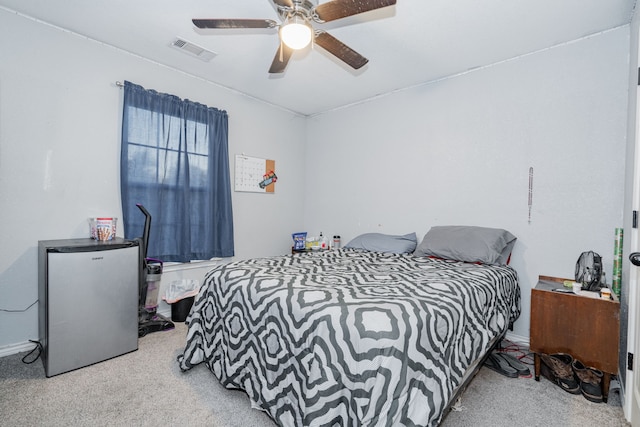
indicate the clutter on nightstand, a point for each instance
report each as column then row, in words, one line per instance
column 299, row 240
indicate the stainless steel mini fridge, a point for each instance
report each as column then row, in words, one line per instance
column 88, row 301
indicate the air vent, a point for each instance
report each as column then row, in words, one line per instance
column 193, row 49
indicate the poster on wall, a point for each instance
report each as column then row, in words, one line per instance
column 255, row 175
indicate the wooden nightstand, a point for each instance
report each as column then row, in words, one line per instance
column 586, row 328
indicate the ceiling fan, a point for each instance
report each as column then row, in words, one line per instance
column 296, row 31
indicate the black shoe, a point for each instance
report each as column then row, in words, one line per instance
column 557, row 368
column 515, row 363
column 500, row 365
column 590, row 381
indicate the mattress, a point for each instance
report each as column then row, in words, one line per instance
column 349, row 337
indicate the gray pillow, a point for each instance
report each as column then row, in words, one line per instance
column 468, row 244
column 377, row 242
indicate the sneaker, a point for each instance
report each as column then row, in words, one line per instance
column 557, row 368
column 590, row 381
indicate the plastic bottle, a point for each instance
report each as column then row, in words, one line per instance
column 336, row 242
column 322, row 241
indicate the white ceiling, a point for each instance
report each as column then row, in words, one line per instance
column 411, row 43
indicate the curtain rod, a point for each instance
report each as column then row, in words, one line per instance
column 119, row 84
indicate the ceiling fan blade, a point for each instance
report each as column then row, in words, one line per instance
column 234, row 23
column 281, row 59
column 340, row 50
column 284, row 3
column 337, row 9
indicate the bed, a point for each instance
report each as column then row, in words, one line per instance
column 353, row 336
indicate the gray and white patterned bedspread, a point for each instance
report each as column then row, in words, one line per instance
column 348, row 337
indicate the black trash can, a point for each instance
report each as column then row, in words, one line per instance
column 181, row 308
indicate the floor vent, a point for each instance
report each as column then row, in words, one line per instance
column 193, row 49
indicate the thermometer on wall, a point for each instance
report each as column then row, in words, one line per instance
column 530, row 191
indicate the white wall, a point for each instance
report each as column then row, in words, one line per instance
column 629, row 291
column 60, row 113
column 458, row 151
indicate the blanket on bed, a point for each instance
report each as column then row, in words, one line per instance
column 349, row 337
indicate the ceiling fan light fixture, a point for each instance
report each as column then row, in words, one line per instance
column 296, row 30
column 296, row 33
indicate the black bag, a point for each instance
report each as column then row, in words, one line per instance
column 589, row 271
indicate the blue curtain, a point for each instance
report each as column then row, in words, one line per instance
column 175, row 162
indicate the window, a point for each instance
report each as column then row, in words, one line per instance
column 175, row 162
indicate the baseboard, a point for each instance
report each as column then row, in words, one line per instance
column 517, row 339
column 165, row 312
column 8, row 350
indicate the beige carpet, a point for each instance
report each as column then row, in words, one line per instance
column 146, row 388
column 495, row 400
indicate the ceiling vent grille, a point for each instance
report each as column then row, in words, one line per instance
column 193, row 49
